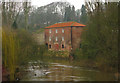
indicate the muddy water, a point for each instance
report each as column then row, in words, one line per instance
column 63, row 70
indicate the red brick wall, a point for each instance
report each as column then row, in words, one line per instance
column 76, row 36
column 76, row 32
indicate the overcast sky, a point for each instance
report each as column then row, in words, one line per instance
column 76, row 3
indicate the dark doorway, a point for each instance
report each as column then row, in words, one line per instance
column 62, row 46
column 49, row 46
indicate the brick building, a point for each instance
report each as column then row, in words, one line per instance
column 63, row 36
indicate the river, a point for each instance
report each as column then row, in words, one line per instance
column 63, row 70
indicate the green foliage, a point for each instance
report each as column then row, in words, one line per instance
column 26, row 43
column 78, row 54
column 100, row 36
column 41, row 30
column 70, row 14
column 83, row 17
column 64, row 54
column 67, row 16
column 9, row 51
column 14, row 25
column 18, row 47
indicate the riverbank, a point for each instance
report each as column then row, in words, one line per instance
column 84, row 63
column 35, row 65
column 89, row 63
column 97, row 63
column 48, row 68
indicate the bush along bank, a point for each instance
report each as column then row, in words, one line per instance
column 60, row 54
column 18, row 48
column 103, row 63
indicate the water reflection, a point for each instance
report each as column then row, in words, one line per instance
column 57, row 70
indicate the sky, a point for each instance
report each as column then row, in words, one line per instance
column 76, row 3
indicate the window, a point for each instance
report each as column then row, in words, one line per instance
column 62, row 38
column 56, row 39
column 56, row 31
column 62, row 46
column 50, row 46
column 62, row 30
column 50, row 31
column 49, row 38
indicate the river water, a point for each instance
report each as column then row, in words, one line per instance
column 63, row 70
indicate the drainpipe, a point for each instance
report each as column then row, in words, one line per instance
column 71, row 34
column 71, row 38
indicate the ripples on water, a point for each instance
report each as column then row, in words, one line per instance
column 52, row 71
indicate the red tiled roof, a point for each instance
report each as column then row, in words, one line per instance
column 65, row 24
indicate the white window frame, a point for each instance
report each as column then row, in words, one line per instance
column 62, row 30
column 50, row 31
column 56, row 31
column 56, row 39
column 62, row 38
column 49, row 38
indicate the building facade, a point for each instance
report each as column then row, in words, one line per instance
column 63, row 36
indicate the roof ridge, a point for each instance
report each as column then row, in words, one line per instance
column 64, row 24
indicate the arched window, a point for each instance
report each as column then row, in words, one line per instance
column 50, row 46
column 63, row 46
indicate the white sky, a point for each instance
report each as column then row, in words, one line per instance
column 76, row 3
